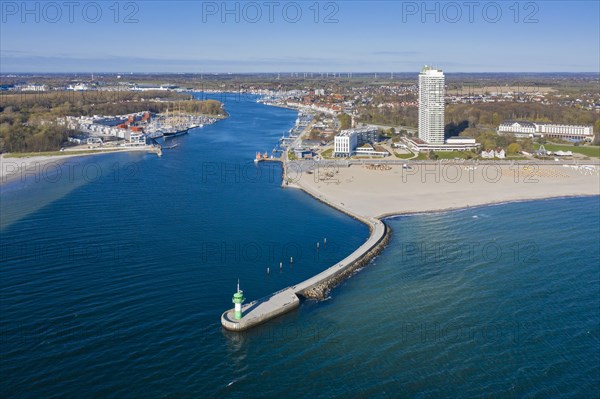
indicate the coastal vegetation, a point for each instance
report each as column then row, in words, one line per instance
column 513, row 148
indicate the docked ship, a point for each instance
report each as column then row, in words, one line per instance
column 175, row 125
column 174, row 133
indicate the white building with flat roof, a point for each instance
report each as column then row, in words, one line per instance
column 551, row 130
column 456, row 144
column 371, row 151
column 460, row 140
column 566, row 132
column 431, row 105
column 34, row 87
column 345, row 143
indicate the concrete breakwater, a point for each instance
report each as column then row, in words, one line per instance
column 317, row 287
column 261, row 310
column 320, row 288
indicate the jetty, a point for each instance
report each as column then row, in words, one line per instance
column 317, row 287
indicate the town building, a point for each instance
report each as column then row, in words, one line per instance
column 497, row 153
column 33, row 87
column 345, row 143
column 452, row 144
column 532, row 129
column 301, row 153
column 370, row 150
column 366, row 134
column 431, row 105
column 78, row 87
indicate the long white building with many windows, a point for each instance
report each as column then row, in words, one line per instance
column 532, row 129
column 431, row 105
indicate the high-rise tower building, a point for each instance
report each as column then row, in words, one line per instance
column 431, row 105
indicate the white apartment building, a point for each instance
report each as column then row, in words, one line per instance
column 431, row 105
column 345, row 143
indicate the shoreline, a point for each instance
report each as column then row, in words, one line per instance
column 317, row 287
column 366, row 257
column 395, row 191
column 34, row 162
column 371, row 196
column 394, row 215
column 398, row 214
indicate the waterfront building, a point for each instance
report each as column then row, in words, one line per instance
column 452, row 144
column 368, row 149
column 301, row 153
column 345, row 143
column 497, row 153
column 366, row 134
column 517, row 128
column 460, row 140
column 532, row 129
column 431, row 105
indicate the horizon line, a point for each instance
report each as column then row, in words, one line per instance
column 286, row 72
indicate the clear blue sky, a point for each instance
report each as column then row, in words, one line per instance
column 361, row 36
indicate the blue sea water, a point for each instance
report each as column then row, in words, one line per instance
column 115, row 270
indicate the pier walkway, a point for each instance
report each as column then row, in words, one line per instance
column 261, row 310
column 264, row 309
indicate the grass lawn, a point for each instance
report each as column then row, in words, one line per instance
column 404, row 156
column 454, row 154
column 587, row 150
column 327, row 153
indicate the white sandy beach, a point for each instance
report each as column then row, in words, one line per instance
column 425, row 188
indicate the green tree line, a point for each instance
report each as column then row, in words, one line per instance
column 484, row 115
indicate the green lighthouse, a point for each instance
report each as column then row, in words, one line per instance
column 238, row 299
